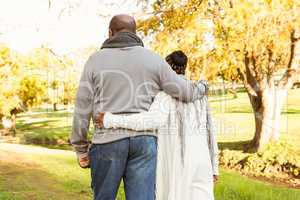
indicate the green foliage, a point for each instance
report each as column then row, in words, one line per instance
column 238, row 28
column 277, row 161
column 31, row 91
column 9, row 71
column 25, row 78
column 46, row 59
column 54, row 84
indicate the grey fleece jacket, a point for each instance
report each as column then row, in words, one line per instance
column 123, row 80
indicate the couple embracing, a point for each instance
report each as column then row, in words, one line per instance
column 153, row 127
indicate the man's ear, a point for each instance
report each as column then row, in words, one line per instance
column 110, row 33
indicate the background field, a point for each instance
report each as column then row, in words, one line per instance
column 31, row 172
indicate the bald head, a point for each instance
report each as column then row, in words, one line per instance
column 121, row 23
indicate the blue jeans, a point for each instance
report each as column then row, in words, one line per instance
column 133, row 160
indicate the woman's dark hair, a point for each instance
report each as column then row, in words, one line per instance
column 178, row 61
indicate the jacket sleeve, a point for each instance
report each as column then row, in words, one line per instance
column 153, row 119
column 83, row 111
column 178, row 87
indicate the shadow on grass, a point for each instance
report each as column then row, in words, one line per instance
column 29, row 182
column 291, row 111
column 21, row 125
column 46, row 135
column 56, row 146
column 220, row 98
column 49, row 109
column 57, row 114
column 248, row 110
column 239, row 110
column 237, row 145
column 49, row 130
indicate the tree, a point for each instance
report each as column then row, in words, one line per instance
column 70, row 88
column 55, row 86
column 22, row 78
column 9, row 101
column 46, row 64
column 231, row 74
column 263, row 38
column 256, row 39
column 31, row 91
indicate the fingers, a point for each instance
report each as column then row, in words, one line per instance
column 84, row 165
column 216, row 178
column 84, row 162
column 99, row 120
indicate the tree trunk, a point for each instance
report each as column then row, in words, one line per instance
column 233, row 88
column 267, row 112
column 13, row 114
column 266, row 97
column 55, row 106
column 13, row 128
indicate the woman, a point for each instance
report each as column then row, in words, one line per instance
column 187, row 150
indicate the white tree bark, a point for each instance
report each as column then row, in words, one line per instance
column 267, row 111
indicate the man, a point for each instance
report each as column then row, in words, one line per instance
column 123, row 77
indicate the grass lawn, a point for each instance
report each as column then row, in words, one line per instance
column 235, row 121
column 234, row 118
column 45, row 128
column 30, row 172
column 236, row 187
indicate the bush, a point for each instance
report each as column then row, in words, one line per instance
column 276, row 162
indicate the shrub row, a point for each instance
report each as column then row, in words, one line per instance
column 277, row 162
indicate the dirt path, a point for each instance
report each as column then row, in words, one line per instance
column 23, row 178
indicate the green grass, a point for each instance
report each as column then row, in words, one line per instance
column 51, row 128
column 48, row 129
column 54, row 174
column 235, row 187
column 42, row 173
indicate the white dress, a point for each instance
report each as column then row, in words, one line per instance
column 187, row 149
